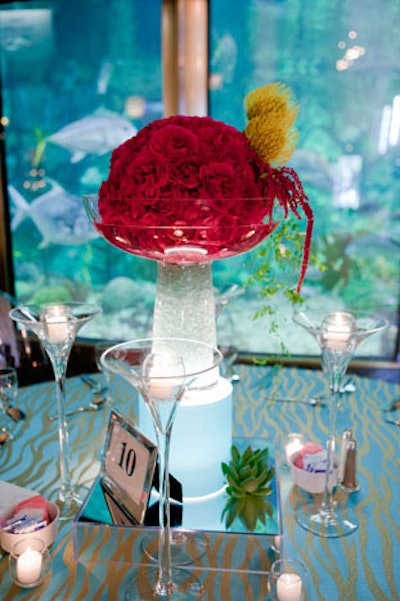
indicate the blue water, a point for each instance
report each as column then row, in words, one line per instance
column 78, row 64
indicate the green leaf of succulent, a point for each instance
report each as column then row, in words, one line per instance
column 230, row 472
column 235, row 453
column 249, row 478
column 232, row 510
column 247, row 455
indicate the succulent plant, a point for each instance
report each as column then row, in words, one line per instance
column 248, row 477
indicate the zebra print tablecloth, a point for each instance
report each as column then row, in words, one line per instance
column 362, row 567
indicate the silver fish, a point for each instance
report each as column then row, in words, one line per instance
column 95, row 134
column 224, row 59
column 104, row 77
column 59, row 216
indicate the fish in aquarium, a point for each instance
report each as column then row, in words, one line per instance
column 104, row 77
column 95, row 134
column 224, row 60
column 58, row 215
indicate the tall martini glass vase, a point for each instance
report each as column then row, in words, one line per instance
column 338, row 335
column 162, row 370
column 56, row 326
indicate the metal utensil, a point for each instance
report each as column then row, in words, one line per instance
column 15, row 413
column 94, row 405
column 313, row 401
column 95, row 386
column 317, row 401
column 391, row 415
column 393, row 407
column 394, row 422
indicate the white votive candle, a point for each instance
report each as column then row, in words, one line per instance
column 289, row 587
column 339, row 327
column 295, row 442
column 157, row 370
column 161, row 389
column 56, row 324
column 29, row 566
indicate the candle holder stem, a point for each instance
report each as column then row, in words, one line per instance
column 68, row 498
column 164, row 585
column 66, row 491
column 336, row 369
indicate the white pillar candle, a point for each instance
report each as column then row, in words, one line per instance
column 29, row 566
column 56, row 324
column 289, row 587
column 338, row 331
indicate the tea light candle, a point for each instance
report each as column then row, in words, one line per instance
column 337, row 330
column 289, row 587
column 56, row 321
column 157, row 370
column 295, row 442
column 29, row 566
column 161, row 388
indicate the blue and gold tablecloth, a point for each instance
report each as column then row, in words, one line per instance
column 363, row 567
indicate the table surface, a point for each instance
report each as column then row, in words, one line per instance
column 363, row 566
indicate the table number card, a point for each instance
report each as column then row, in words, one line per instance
column 127, row 471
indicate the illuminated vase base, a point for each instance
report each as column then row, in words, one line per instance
column 201, row 439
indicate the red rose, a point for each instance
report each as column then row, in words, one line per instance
column 173, row 142
column 193, row 182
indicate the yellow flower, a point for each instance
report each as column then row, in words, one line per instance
column 271, row 113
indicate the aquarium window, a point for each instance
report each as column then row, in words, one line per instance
column 341, row 61
column 73, row 89
column 78, row 78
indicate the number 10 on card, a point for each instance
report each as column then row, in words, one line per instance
column 128, row 466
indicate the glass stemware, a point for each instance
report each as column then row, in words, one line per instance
column 56, row 326
column 163, row 370
column 338, row 335
column 106, row 380
column 8, row 395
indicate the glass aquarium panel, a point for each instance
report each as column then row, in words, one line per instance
column 80, row 77
column 341, row 61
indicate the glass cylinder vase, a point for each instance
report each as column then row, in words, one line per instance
column 185, row 307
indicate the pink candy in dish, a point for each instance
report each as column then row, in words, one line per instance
column 308, row 468
column 47, row 533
